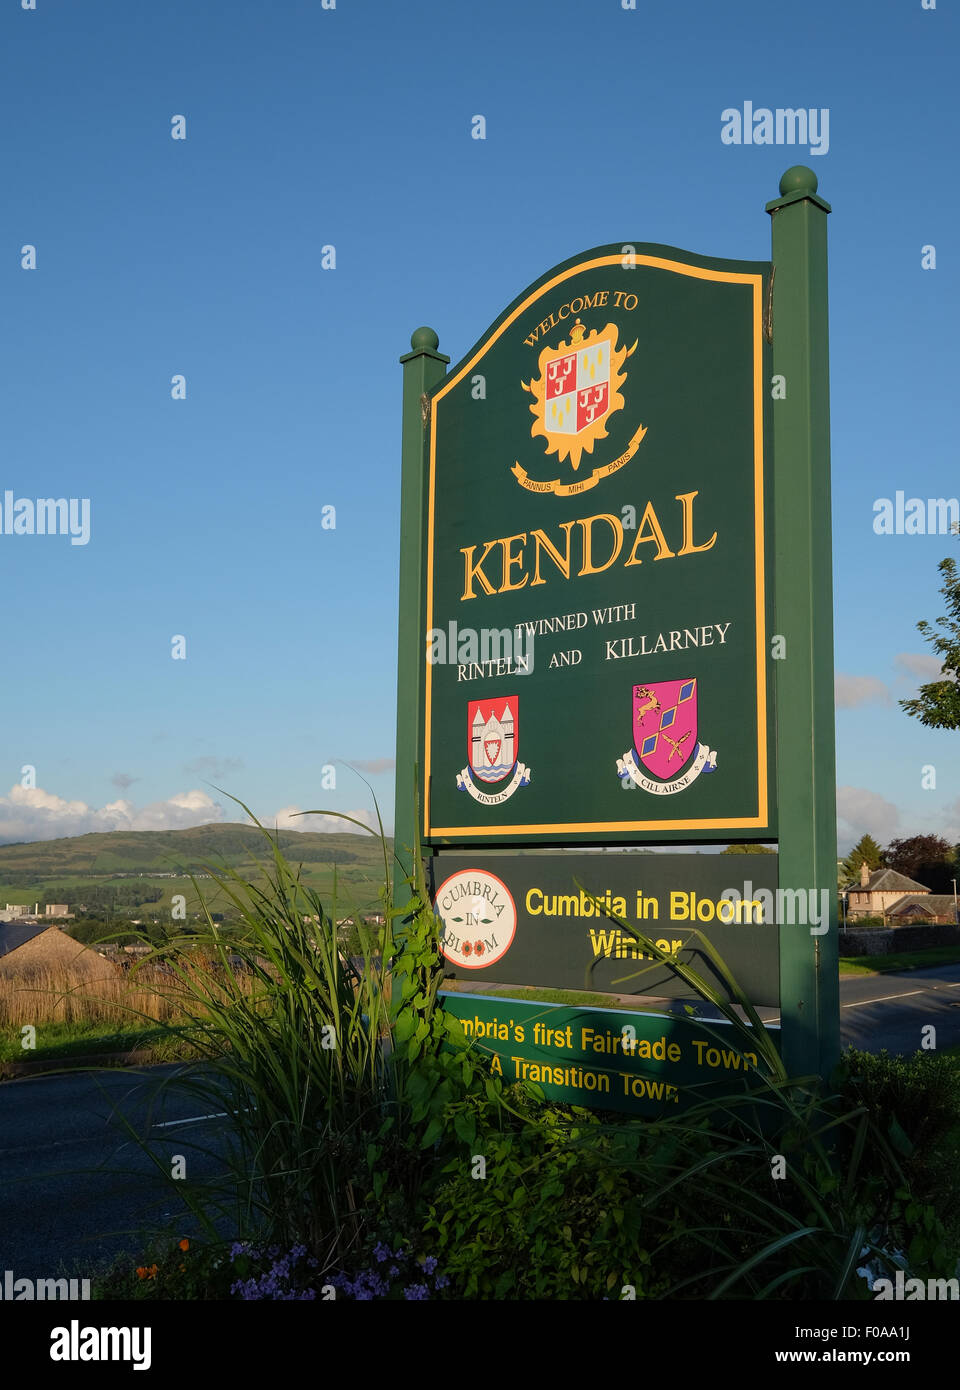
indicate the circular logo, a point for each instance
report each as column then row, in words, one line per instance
column 479, row 918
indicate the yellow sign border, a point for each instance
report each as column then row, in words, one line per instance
column 573, row 828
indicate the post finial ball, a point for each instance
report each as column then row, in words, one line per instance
column 424, row 339
column 799, row 179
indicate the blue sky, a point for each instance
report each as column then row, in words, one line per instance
column 352, row 127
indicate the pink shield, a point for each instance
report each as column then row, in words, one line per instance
column 665, row 725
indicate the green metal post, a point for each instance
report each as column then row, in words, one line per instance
column 423, row 367
column 803, row 597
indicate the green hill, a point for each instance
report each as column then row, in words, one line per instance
column 68, row 869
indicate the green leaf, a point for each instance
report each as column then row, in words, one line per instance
column 433, row 1132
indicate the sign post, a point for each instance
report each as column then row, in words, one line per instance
column 423, row 367
column 806, row 753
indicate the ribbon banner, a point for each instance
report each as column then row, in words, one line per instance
column 706, row 758
column 520, row 778
column 571, row 489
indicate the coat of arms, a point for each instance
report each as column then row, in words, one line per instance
column 492, row 744
column 577, row 391
column 665, row 738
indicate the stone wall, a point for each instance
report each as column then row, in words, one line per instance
column 883, row 941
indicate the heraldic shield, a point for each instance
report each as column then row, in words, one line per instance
column 665, row 725
column 492, row 737
column 577, row 390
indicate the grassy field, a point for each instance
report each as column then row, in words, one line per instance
column 67, row 1040
column 902, row 960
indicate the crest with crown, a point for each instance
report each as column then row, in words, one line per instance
column 577, row 391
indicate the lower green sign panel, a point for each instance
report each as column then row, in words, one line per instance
column 531, row 919
column 605, row 1059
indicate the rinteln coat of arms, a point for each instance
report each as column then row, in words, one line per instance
column 492, row 746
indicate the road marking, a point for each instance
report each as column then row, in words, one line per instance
column 191, row 1119
column 883, row 997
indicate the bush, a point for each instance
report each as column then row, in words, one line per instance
column 555, row 1216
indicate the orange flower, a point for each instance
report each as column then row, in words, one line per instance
column 141, row 1271
column 184, row 1245
column 152, row 1272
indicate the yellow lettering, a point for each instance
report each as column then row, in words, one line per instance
column 475, row 570
column 655, row 534
column 588, row 567
column 510, row 560
column 688, row 548
column 541, row 541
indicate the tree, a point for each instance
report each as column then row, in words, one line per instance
column 865, row 851
column 748, row 849
column 937, row 704
column 927, row 858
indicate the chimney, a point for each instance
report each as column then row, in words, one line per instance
column 864, row 874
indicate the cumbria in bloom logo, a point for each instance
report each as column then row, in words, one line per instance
column 479, row 918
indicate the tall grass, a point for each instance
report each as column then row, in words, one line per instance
column 56, row 994
column 289, row 1035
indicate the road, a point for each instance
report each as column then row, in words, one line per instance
column 878, row 1011
column 75, row 1187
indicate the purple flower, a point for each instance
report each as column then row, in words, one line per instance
column 429, row 1264
column 416, row 1292
column 441, row 1281
column 394, row 1271
column 381, row 1252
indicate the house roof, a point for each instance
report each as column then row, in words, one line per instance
column 14, row 934
column 889, row 881
column 934, row 904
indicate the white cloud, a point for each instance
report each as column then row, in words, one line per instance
column 921, row 665
column 862, row 812
column 287, row 818
column 371, row 765
column 851, row 691
column 30, row 813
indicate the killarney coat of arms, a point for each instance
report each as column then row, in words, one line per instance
column 665, row 739
column 577, row 391
column 492, row 746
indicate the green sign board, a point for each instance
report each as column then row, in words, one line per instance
column 616, row 621
column 597, row 597
column 605, row 1059
column 541, row 919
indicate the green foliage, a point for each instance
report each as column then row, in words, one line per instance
column 929, row 859
column 937, row 704
column 915, row 1102
column 180, row 1270
column 375, row 1139
column 556, row 1215
column 867, row 851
